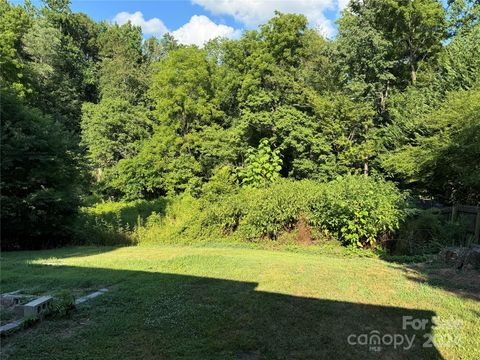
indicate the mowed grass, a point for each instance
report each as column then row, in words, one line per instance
column 240, row 303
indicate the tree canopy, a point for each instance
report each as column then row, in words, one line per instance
column 94, row 108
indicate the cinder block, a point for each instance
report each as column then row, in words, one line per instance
column 37, row 307
column 11, row 327
column 11, row 299
column 90, row 296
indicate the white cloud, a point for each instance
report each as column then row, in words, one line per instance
column 197, row 31
column 342, row 4
column 154, row 26
column 200, row 29
column 255, row 12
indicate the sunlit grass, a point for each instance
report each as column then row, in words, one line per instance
column 162, row 294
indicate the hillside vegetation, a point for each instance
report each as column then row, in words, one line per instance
column 280, row 130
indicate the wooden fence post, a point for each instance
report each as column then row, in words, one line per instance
column 454, row 213
column 477, row 226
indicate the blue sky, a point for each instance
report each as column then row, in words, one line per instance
column 196, row 21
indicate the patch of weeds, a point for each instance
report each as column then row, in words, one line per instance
column 6, row 315
column 407, row 259
column 29, row 321
column 360, row 252
column 63, row 303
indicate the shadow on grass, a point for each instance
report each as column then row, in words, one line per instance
column 64, row 252
column 464, row 283
column 429, row 269
column 160, row 315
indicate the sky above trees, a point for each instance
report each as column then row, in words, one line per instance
column 197, row 21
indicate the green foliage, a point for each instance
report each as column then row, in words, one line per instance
column 357, row 210
column 58, row 72
column 460, row 60
column 14, row 22
column 143, row 222
column 113, row 223
column 366, row 58
column 214, row 146
column 181, row 91
column 442, row 155
column 112, row 130
column 462, row 15
column 63, row 303
column 162, row 166
column 427, row 231
column 258, row 212
column 284, row 37
column 179, row 224
column 222, row 182
column 394, row 94
column 349, row 137
column 122, row 71
column 39, row 182
column 262, row 165
column 319, row 68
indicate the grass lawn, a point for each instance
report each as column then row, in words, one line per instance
column 241, row 303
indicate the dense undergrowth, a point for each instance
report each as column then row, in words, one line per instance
column 355, row 210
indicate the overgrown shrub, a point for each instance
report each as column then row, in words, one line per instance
column 178, row 224
column 113, row 223
column 260, row 212
column 223, row 181
column 357, row 210
column 427, row 231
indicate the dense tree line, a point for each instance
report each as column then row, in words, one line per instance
column 93, row 108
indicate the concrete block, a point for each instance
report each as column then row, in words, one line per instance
column 37, row 307
column 11, row 327
column 90, row 296
column 11, row 299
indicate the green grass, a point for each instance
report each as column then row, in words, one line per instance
column 237, row 303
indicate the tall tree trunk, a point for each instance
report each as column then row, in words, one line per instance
column 413, row 73
column 383, row 98
column 365, row 167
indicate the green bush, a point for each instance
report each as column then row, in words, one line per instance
column 427, row 231
column 262, row 165
column 112, row 223
column 178, row 224
column 357, row 210
column 222, row 182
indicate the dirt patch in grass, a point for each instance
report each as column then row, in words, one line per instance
column 465, row 283
column 73, row 327
column 304, row 235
